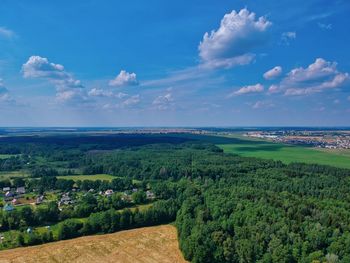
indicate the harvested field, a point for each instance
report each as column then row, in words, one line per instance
column 146, row 245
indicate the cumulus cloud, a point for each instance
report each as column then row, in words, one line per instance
column 124, row 79
column 232, row 43
column 274, row 89
column 68, row 88
column 273, row 73
column 262, row 105
column 131, row 101
column 6, row 33
column 97, row 92
column 317, row 77
column 257, row 88
column 163, row 102
column 39, row 67
column 286, row 37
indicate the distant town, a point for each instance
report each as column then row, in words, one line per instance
column 338, row 139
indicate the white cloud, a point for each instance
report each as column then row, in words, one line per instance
column 6, row 33
column 131, row 101
column 231, row 44
column 317, row 77
column 68, row 89
column 325, row 26
column 4, row 94
column 97, row 92
column 75, row 96
column 273, row 73
column 274, row 89
column 124, row 79
column 257, row 88
column 262, row 104
column 163, row 102
column 286, row 37
column 39, row 67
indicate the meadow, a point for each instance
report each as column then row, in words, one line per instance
column 83, row 177
column 251, row 147
column 5, row 156
column 288, row 153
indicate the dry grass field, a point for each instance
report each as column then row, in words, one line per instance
column 147, row 245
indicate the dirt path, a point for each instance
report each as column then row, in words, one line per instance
column 147, row 245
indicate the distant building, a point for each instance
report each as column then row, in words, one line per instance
column 150, row 195
column 65, row 200
column 126, row 197
column 109, row 192
column 14, row 201
column 39, row 200
column 6, row 189
column 21, row 190
column 9, row 194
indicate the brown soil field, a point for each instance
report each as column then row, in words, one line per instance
column 147, row 245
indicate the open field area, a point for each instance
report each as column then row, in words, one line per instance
column 251, row 147
column 12, row 174
column 83, row 177
column 5, row 156
column 150, row 244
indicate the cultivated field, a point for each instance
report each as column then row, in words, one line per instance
column 288, row 153
column 149, row 244
column 251, row 147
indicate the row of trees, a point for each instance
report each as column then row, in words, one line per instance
column 104, row 222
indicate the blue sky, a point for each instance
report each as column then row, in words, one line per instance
column 174, row 63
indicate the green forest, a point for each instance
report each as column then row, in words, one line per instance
column 227, row 208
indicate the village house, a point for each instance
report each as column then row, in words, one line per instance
column 6, row 189
column 126, row 197
column 65, row 200
column 109, row 192
column 8, row 196
column 39, row 200
column 150, row 195
column 21, row 190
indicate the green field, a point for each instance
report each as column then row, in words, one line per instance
column 12, row 174
column 251, row 147
column 6, row 156
column 93, row 177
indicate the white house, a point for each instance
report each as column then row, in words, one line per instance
column 21, row 190
column 109, row 192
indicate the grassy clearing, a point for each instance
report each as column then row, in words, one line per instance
column 12, row 174
column 6, row 156
column 93, row 177
column 149, row 244
column 251, row 147
column 287, row 153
